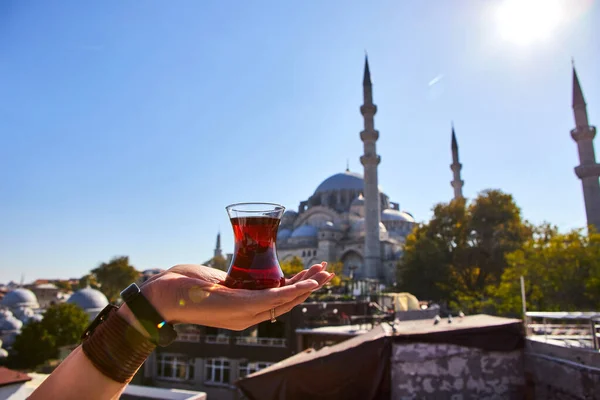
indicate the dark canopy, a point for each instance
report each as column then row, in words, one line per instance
column 359, row 368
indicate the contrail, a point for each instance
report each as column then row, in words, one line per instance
column 436, row 80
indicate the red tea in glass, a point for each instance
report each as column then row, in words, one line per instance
column 254, row 265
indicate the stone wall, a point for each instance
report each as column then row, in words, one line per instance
column 444, row 371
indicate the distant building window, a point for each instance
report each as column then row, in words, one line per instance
column 174, row 367
column 247, row 368
column 314, row 252
column 303, row 253
column 216, row 370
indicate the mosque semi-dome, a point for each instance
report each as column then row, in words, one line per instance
column 305, row 231
column 20, row 298
column 329, row 226
column 88, row 299
column 395, row 215
column 10, row 323
column 283, row 234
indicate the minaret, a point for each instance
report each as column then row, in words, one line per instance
column 218, row 252
column 456, row 166
column 370, row 160
column 588, row 170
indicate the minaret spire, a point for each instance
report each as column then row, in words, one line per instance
column 588, row 170
column 456, row 166
column 218, row 251
column 370, row 160
column 367, row 73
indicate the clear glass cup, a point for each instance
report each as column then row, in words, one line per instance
column 254, row 264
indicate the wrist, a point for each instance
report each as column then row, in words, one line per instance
column 125, row 313
column 143, row 312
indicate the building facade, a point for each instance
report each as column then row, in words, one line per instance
column 211, row 360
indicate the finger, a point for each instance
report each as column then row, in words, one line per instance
column 296, row 277
column 322, row 277
column 314, row 269
column 280, row 310
column 267, row 299
column 327, row 280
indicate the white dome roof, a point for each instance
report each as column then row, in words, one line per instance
column 35, row 318
column 20, row 298
column 88, row 299
column 395, row 215
column 329, row 226
column 23, row 313
column 10, row 324
column 305, row 231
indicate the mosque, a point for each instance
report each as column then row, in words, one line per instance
column 20, row 307
column 349, row 218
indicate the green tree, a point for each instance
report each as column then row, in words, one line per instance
column 337, row 268
column 62, row 325
column 65, row 322
column 292, row 267
column 63, row 285
column 460, row 252
column 87, row 280
column 115, row 276
column 561, row 272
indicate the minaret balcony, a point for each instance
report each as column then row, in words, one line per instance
column 588, row 171
column 369, row 135
column 583, row 133
column 456, row 167
column 370, row 160
column 368, row 109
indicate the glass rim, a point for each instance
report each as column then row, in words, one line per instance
column 264, row 207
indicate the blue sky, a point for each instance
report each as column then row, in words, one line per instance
column 126, row 127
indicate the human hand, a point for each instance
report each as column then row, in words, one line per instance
column 195, row 294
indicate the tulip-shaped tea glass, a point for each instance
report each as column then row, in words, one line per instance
column 254, row 265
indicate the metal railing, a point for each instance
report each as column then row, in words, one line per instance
column 573, row 329
column 188, row 337
column 258, row 341
column 216, row 339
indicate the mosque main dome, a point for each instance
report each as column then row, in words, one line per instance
column 346, row 180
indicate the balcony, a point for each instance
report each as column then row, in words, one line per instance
column 188, row 337
column 258, row 341
column 216, row 339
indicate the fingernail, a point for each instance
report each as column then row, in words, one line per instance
column 324, row 264
column 307, row 284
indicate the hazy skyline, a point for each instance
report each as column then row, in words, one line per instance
column 127, row 128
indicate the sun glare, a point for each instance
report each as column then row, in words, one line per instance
column 527, row 21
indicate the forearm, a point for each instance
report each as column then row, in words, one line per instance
column 77, row 377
